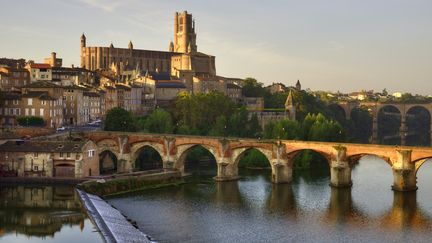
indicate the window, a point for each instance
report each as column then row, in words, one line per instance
column 61, row 155
column 35, row 168
column 91, row 153
column 43, row 102
column 33, row 112
column 16, row 102
column 41, row 111
column 35, row 154
column 26, row 111
column 68, row 155
column 29, row 101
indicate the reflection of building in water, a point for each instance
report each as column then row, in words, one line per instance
column 40, row 210
column 405, row 213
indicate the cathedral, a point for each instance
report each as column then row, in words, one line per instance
column 182, row 60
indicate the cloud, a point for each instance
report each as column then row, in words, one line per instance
column 106, row 5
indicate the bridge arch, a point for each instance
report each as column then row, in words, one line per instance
column 137, row 149
column 418, row 125
column 238, row 153
column 340, row 111
column 107, row 144
column 293, row 154
column 355, row 158
column 388, row 130
column 108, row 162
column 419, row 162
column 147, row 158
column 184, row 149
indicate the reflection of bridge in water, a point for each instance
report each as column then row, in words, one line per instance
column 342, row 210
column 39, row 210
column 404, row 161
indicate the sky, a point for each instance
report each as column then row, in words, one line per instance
column 333, row 45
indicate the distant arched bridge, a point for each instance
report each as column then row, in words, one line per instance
column 403, row 160
column 374, row 109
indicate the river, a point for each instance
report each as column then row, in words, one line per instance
column 307, row 210
column 43, row 213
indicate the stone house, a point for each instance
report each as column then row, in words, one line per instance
column 65, row 159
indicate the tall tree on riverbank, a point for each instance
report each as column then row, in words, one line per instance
column 119, row 119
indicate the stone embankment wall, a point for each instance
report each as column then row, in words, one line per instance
column 130, row 183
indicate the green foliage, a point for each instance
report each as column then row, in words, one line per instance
column 200, row 111
column 308, row 159
column 360, row 128
column 254, row 158
column 220, row 127
column 313, row 128
column 252, row 88
column 159, row 121
column 30, row 121
column 119, row 119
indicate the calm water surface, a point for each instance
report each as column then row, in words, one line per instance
column 36, row 213
column 254, row 210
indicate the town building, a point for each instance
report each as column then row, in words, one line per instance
column 167, row 91
column 65, row 159
column 13, row 78
column 39, row 72
column 53, row 61
column 73, row 100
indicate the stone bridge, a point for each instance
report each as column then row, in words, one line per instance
column 404, row 161
column 374, row 109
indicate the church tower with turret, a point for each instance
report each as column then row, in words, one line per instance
column 184, row 33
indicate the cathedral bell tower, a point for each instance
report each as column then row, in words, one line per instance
column 184, row 33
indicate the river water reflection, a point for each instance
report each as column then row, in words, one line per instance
column 37, row 213
column 255, row 210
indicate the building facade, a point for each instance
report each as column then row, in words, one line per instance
column 63, row 159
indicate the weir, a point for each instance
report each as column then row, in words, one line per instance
column 113, row 226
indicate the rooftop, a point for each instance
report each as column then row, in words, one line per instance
column 42, row 146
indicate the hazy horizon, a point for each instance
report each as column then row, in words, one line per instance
column 339, row 46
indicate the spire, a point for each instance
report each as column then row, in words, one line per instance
column 83, row 40
column 171, row 47
column 298, row 85
column 130, row 45
column 111, row 45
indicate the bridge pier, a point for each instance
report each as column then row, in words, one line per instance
column 226, row 171
column 124, row 163
column 404, row 172
column 374, row 129
column 403, row 129
column 340, row 170
column 281, row 173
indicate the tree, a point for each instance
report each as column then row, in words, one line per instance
column 253, row 127
column 252, row 88
column 119, row 119
column 30, row 121
column 220, row 127
column 159, row 121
